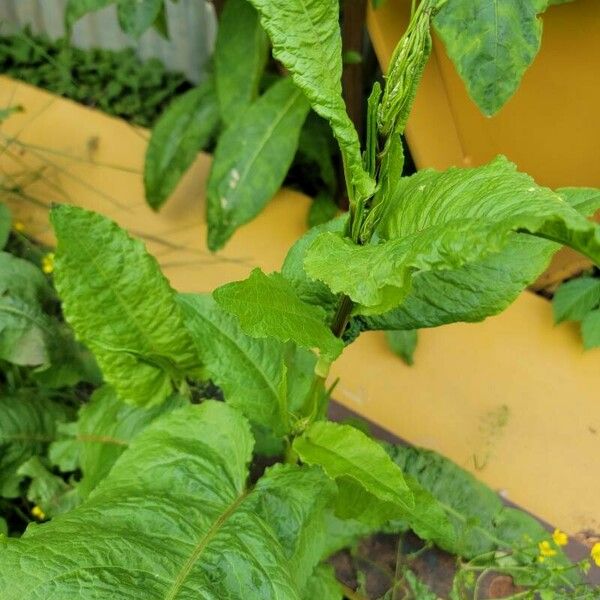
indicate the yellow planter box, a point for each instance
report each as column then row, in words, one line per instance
column 513, row 399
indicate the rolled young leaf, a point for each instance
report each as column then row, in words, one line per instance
column 252, row 159
column 174, row 519
column 240, row 57
column 121, row 306
column 306, row 39
column 184, row 129
column 267, row 306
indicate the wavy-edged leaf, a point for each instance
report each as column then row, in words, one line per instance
column 5, row 224
column 136, row 16
column 76, row 9
column 378, row 277
column 240, row 57
column 252, row 159
column 267, row 306
column 481, row 522
column 494, row 200
column 491, row 43
column 121, row 306
column 590, row 330
column 360, row 466
column 574, row 299
column 103, row 431
column 184, row 129
column 176, row 522
column 250, row 371
column 27, row 426
column 306, row 39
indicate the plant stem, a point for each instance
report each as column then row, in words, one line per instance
column 342, row 315
column 350, row 593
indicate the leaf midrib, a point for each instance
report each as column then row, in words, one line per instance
column 202, row 544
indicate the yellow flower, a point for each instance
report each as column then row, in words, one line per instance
column 546, row 549
column 48, row 263
column 596, row 553
column 560, row 537
column 18, row 226
column 38, row 513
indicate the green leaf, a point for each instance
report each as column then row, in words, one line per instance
column 170, row 523
column 48, row 491
column 491, row 44
column 21, row 279
column 292, row 500
column 362, row 469
column 251, row 372
column 136, row 16
column 378, row 277
column 267, row 306
column 121, row 306
column 306, row 39
column 403, row 343
column 584, row 200
column 3, row 527
column 24, row 331
column 252, row 159
column 104, row 429
column 240, row 57
column 322, row 209
column 481, row 522
column 76, row 9
column 574, row 299
column 590, row 329
column 420, row 232
column 323, row 585
column 5, row 224
column 182, row 131
column 27, row 426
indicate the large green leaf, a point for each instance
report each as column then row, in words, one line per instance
column 121, row 306
column 267, row 306
column 481, row 522
column 359, row 465
column 76, row 9
column 250, row 371
column 306, row 39
column 172, row 520
column 403, row 344
column 27, row 426
column 182, row 131
column 240, row 58
column 444, row 221
column 491, row 43
column 104, row 429
column 252, row 159
column 575, row 299
column 136, row 16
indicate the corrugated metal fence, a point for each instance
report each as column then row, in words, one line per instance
column 192, row 29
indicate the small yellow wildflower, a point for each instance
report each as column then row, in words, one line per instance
column 560, row 537
column 38, row 513
column 546, row 549
column 19, row 226
column 595, row 553
column 48, row 263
